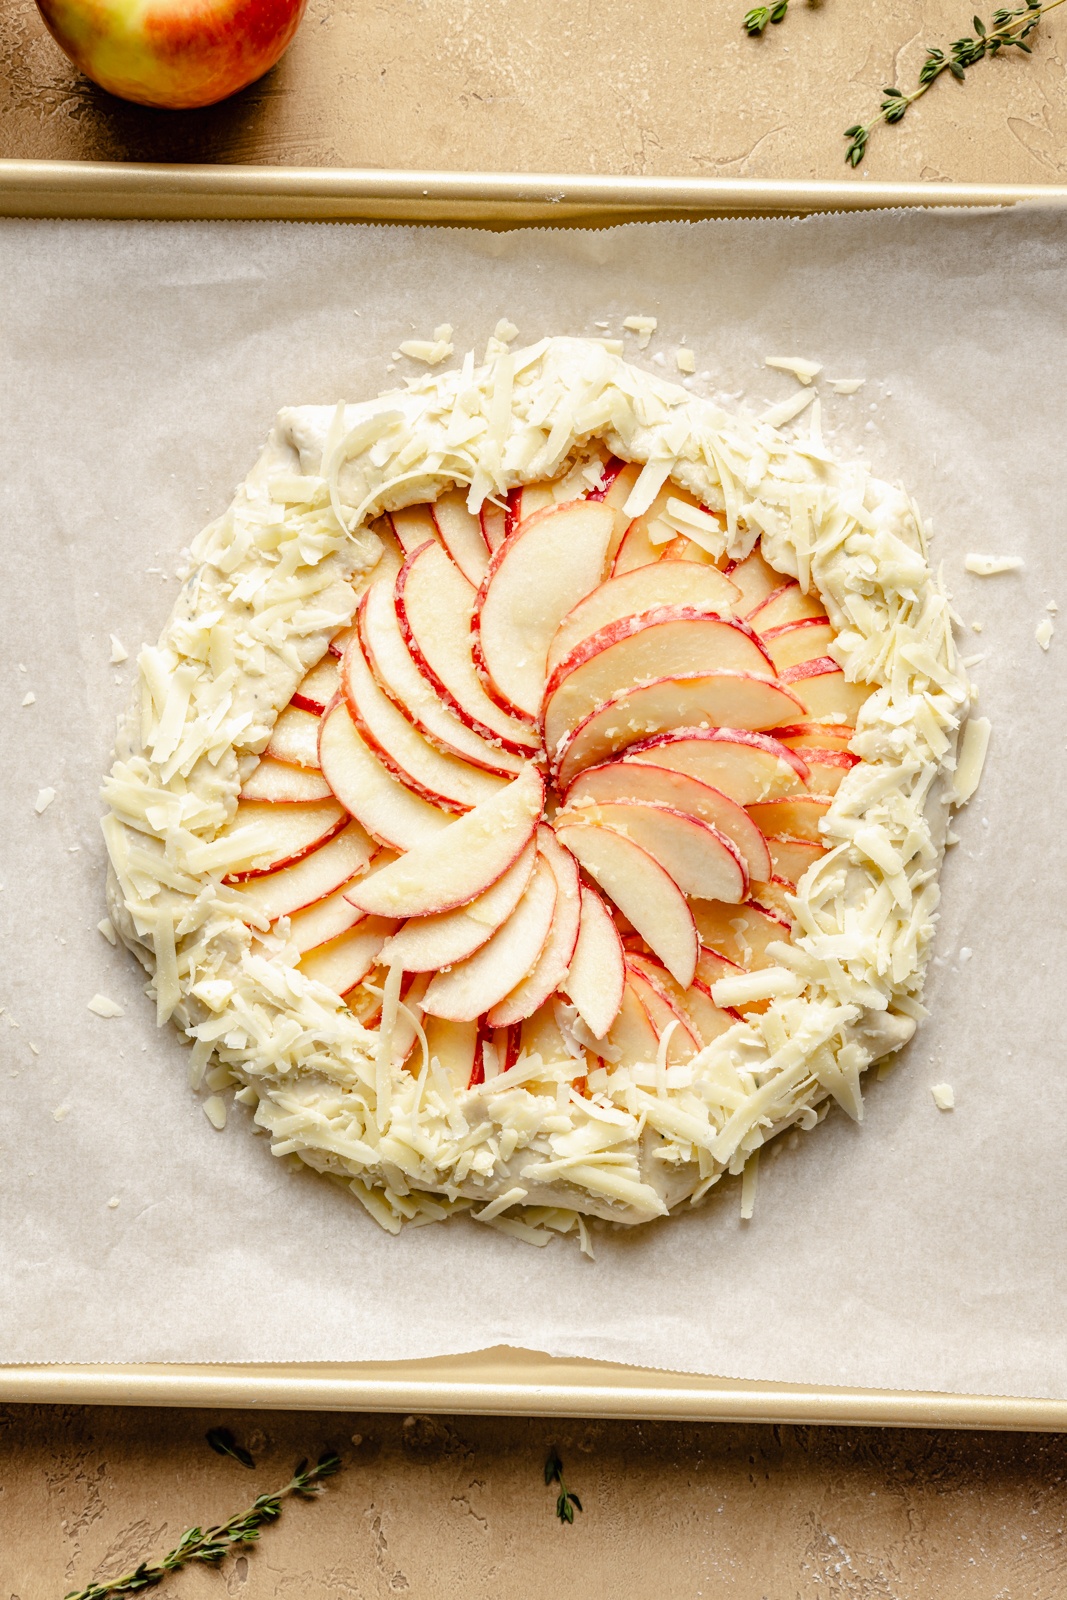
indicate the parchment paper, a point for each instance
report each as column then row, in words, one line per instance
column 141, row 367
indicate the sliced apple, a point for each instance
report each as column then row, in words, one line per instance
column 644, row 892
column 741, row 933
column 473, row 987
column 795, row 642
column 390, row 812
column 551, row 967
column 772, row 896
column 284, row 785
column 461, row 861
column 746, row 766
column 615, row 489
column 527, row 500
column 701, row 860
column 317, row 688
column 755, row 578
column 594, row 980
column 413, row 526
column 710, row 699
column 665, row 583
column 424, row 944
column 326, row 919
column 440, row 779
column 798, row 815
column 828, row 768
column 705, row 1020
column 550, row 563
column 281, row 893
column 712, row 965
column 664, row 643
column 454, row 1045
column 683, row 1043
column 824, row 692
column 642, row 781
column 434, row 604
column 385, row 568
column 346, row 960
column 648, row 535
column 805, row 736
column 494, row 524
column 632, row 1038
column 460, row 532
column 288, row 832
column 410, row 1012
column 398, row 677
column 791, row 858
column 787, row 604
column 295, row 738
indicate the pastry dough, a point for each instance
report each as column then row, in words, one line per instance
column 278, row 576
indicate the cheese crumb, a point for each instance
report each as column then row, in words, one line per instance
column 44, row 800
column 113, row 1202
column 430, row 351
column 106, row 927
column 802, row 370
column 644, row 327
column 60, row 1112
column 119, row 653
column 1044, row 631
column 768, row 983
column 505, row 331
column 846, row 385
column 974, row 747
column 29, row 699
column 101, row 1006
column 977, row 626
column 215, row 1111
column 989, row 566
column 786, row 410
column 944, row 1099
column 1052, row 608
column 687, row 361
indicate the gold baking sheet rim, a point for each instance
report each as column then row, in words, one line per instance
column 501, row 1381
column 494, row 199
column 510, row 1382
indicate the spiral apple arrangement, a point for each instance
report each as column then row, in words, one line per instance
column 564, row 770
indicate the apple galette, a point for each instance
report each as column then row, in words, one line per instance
column 535, row 801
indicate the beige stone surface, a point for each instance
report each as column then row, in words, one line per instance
column 438, row 1508
column 620, row 86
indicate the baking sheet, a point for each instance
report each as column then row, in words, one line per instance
column 142, row 364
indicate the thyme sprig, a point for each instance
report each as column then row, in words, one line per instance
column 567, row 1502
column 210, row 1545
column 757, row 19
column 1011, row 29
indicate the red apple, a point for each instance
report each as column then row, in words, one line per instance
column 173, row 53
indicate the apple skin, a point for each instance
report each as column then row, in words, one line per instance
column 175, row 54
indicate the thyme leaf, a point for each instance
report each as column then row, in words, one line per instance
column 757, row 19
column 223, row 1443
column 567, row 1502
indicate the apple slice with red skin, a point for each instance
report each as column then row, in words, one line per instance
column 632, row 1038
column 661, row 1012
column 706, row 1020
column 463, row 860
column 473, row 987
column 284, row 785
column 289, row 832
column 295, row 738
column 455, row 1047
column 425, row 944
column 824, row 692
column 798, row 815
column 787, row 604
column 326, row 919
column 594, row 980
column 346, row 960
column 541, row 1035
column 745, row 765
column 460, row 531
column 755, row 578
column 398, row 677
column 615, row 494
column 741, row 933
column 549, row 564
column 828, row 768
column 804, row 736
column 714, row 699
column 610, row 473
column 289, row 889
column 701, row 860
column 664, row 583
column 527, row 501
column 666, row 642
column 434, row 605
column 494, row 524
column 771, row 895
column 791, row 857
column 795, row 642
column 440, row 779
column 643, row 890
column 638, row 780
column 648, row 535
column 317, row 688
column 413, row 526
column 390, row 812
column 551, row 967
